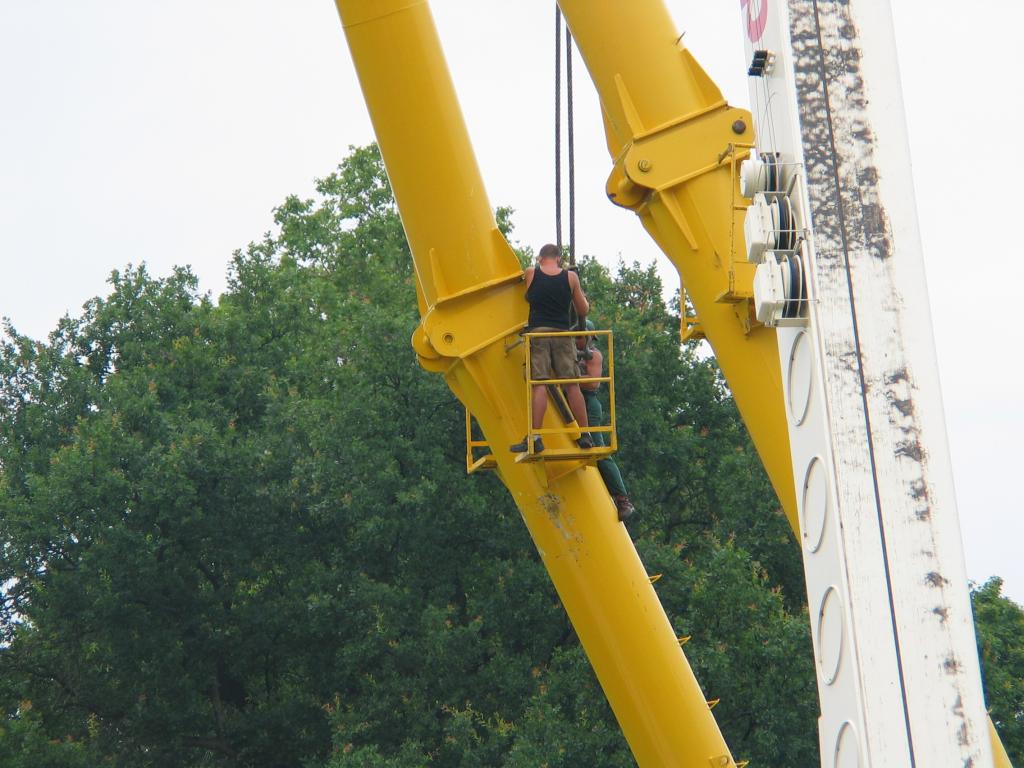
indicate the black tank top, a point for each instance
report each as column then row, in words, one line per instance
column 549, row 297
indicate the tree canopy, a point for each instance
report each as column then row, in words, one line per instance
column 241, row 534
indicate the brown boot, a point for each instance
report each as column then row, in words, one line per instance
column 623, row 506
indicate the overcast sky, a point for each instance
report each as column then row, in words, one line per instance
column 166, row 132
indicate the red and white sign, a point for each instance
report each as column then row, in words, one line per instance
column 756, row 14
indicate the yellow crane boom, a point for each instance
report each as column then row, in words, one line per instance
column 677, row 151
column 472, row 306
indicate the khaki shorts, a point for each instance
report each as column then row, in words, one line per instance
column 552, row 357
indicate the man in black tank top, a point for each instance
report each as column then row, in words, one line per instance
column 551, row 291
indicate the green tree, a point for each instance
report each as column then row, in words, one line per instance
column 999, row 623
column 229, row 529
column 241, row 534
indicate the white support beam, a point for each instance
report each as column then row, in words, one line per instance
column 898, row 673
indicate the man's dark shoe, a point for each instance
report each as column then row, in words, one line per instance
column 623, row 506
column 521, row 447
column 585, row 442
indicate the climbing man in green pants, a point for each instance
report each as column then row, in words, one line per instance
column 591, row 363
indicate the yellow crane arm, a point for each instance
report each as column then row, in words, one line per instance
column 472, row 305
column 676, row 147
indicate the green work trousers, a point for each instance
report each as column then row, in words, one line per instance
column 607, row 467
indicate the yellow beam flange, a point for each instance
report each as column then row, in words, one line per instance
column 690, row 329
column 484, row 462
column 587, row 455
column 629, row 110
column 741, row 283
column 1001, row 759
column 556, row 470
column 487, row 461
column 681, row 151
column 671, row 205
column 513, row 278
column 476, row 321
column 461, row 322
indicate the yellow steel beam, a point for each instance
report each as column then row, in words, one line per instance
column 669, row 134
column 472, row 302
column 999, row 757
